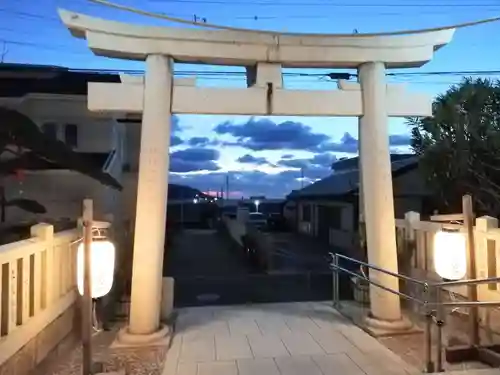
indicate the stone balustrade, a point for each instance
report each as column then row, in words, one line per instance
column 38, row 295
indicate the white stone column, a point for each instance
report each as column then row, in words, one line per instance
column 152, row 190
column 378, row 200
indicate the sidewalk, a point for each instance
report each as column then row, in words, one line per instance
column 307, row 338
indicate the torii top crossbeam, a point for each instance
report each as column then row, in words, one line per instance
column 225, row 47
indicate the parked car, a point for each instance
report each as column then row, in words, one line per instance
column 258, row 220
column 276, row 222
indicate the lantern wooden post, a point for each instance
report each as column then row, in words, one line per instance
column 471, row 269
column 87, row 288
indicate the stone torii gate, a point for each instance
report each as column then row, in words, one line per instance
column 157, row 96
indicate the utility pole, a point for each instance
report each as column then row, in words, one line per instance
column 5, row 50
column 227, row 186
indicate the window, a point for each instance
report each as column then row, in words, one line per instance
column 71, row 135
column 50, row 129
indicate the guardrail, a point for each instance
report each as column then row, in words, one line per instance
column 433, row 310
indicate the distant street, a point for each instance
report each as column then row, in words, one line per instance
column 209, row 269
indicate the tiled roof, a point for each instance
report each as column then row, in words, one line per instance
column 42, row 79
column 345, row 182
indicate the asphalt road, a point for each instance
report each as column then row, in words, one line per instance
column 209, row 269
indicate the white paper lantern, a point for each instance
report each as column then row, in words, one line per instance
column 450, row 255
column 102, row 255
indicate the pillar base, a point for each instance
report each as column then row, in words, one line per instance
column 126, row 339
column 377, row 327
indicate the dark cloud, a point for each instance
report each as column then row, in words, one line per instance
column 199, row 141
column 318, row 166
column 175, row 124
column 175, row 141
column 249, row 159
column 287, row 156
column 265, row 134
column 194, row 159
column 348, row 144
column 176, row 128
column 399, row 140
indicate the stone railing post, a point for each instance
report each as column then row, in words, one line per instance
column 407, row 252
column 483, row 249
column 44, row 232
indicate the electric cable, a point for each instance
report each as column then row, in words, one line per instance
column 268, row 32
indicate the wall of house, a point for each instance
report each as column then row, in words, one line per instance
column 96, row 132
column 62, row 191
column 409, row 189
column 342, row 236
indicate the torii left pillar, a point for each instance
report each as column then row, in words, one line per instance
column 151, row 212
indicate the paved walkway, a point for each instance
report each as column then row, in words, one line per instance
column 307, row 338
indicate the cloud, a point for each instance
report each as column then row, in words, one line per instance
column 175, row 141
column 245, row 183
column 194, row 159
column 348, row 144
column 249, row 159
column 318, row 166
column 198, row 141
column 175, row 124
column 176, row 128
column 400, row 140
column 265, row 134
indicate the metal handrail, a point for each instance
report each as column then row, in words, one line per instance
column 433, row 310
column 378, row 285
column 488, row 280
column 399, row 276
column 425, row 284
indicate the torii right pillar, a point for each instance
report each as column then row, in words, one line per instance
column 378, row 200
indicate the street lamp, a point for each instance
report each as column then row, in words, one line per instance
column 256, row 202
column 450, row 254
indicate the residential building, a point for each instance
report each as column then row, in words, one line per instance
column 55, row 99
column 329, row 209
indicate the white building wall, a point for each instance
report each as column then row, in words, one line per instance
column 62, row 191
column 96, row 133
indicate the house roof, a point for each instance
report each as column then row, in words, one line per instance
column 352, row 163
column 346, row 181
column 45, row 79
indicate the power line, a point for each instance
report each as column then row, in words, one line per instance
column 58, row 48
column 294, row 74
column 258, row 17
column 326, row 4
